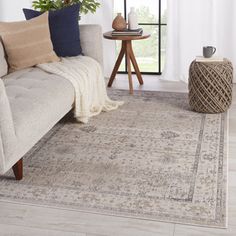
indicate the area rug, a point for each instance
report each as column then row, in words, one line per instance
column 151, row 159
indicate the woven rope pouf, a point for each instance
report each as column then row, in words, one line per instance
column 210, row 86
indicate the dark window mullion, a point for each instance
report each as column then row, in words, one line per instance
column 125, row 9
column 125, row 14
column 148, row 23
column 152, row 24
column 159, row 24
column 159, row 38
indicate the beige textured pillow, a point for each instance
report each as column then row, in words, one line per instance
column 27, row 43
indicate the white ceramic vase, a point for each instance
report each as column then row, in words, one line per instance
column 133, row 19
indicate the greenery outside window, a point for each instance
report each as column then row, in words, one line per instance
column 152, row 17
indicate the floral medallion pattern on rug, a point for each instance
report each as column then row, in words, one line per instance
column 151, row 159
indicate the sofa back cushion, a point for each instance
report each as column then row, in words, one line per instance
column 3, row 62
column 27, row 43
column 64, row 28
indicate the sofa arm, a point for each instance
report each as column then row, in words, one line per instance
column 8, row 140
column 91, row 42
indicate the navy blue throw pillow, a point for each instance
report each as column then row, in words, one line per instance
column 64, row 29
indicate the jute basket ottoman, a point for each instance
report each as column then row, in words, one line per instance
column 210, row 86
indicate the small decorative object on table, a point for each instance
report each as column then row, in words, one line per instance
column 209, row 51
column 120, row 27
column 133, row 19
column 119, row 23
column 128, row 32
column 210, row 85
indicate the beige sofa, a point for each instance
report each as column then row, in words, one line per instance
column 33, row 101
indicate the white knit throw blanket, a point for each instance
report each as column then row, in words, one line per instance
column 86, row 76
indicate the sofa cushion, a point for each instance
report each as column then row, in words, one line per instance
column 27, row 43
column 64, row 29
column 3, row 62
column 38, row 101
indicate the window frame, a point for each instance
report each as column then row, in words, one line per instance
column 159, row 24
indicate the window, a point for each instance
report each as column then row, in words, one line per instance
column 149, row 53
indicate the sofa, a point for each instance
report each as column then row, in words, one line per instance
column 32, row 101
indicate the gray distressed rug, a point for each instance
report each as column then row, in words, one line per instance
column 151, row 159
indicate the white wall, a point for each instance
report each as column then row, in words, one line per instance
column 104, row 17
column 11, row 10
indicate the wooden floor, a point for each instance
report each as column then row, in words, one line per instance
column 24, row 219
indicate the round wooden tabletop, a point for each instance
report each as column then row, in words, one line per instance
column 108, row 35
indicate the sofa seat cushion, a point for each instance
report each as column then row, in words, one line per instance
column 38, row 101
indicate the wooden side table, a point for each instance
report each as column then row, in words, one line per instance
column 127, row 50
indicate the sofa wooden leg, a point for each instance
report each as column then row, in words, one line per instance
column 18, row 169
